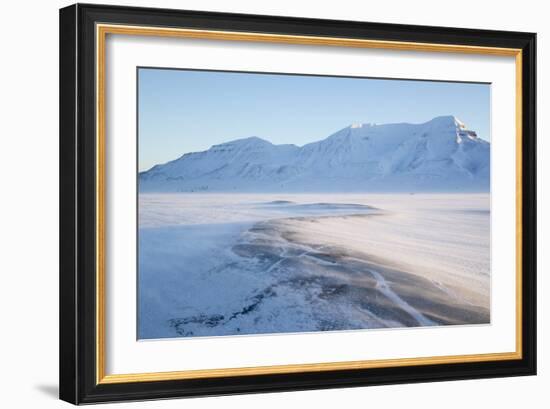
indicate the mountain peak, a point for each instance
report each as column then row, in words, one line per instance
column 447, row 120
column 249, row 141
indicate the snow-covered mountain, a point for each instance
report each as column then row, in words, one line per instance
column 439, row 155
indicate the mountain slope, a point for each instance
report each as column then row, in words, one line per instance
column 439, row 155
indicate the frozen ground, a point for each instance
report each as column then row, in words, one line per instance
column 228, row 264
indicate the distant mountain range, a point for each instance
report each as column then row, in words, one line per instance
column 440, row 155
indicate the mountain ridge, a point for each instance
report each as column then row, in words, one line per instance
column 438, row 155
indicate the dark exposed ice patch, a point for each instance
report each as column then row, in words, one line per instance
column 334, row 206
column 286, row 204
column 278, row 202
column 180, row 324
column 292, row 209
column 188, row 325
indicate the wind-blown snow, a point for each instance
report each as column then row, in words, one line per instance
column 439, row 155
column 230, row 264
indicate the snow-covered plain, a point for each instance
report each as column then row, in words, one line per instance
column 229, row 264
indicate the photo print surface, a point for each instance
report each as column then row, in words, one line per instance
column 280, row 203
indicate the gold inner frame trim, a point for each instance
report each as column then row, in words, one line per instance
column 101, row 33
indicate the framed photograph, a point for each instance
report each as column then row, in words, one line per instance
column 257, row 203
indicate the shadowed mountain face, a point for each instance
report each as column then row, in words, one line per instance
column 439, row 155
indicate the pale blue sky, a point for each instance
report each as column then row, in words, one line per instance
column 184, row 111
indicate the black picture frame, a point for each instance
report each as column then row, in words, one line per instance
column 78, row 237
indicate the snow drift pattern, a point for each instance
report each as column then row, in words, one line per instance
column 439, row 155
